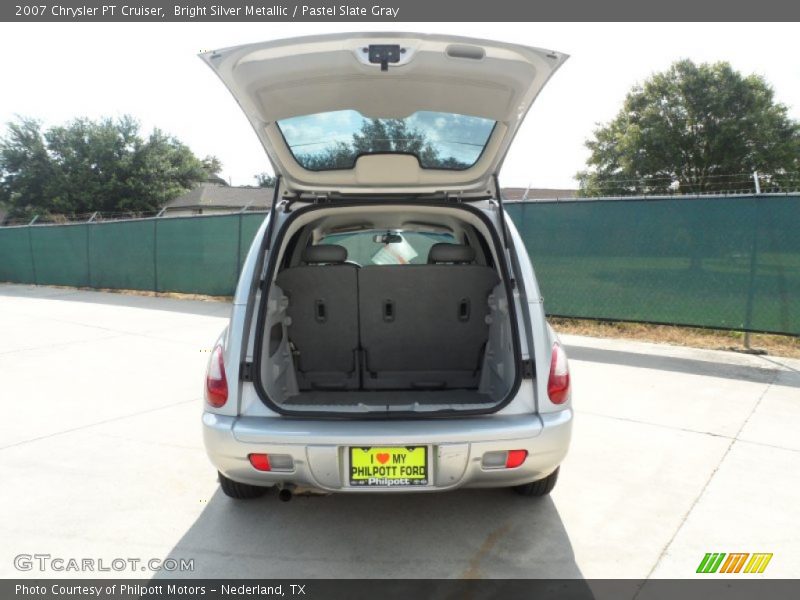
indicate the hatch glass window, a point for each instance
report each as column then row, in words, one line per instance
column 335, row 140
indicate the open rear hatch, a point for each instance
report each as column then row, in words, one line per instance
column 409, row 118
column 434, row 113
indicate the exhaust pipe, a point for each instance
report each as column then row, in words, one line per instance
column 285, row 494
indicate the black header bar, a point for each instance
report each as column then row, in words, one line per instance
column 729, row 588
column 399, row 10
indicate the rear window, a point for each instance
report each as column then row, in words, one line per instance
column 407, row 248
column 335, row 140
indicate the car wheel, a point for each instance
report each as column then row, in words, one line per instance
column 538, row 488
column 240, row 491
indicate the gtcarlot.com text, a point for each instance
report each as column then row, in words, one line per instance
column 47, row 562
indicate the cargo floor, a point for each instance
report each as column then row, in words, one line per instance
column 386, row 397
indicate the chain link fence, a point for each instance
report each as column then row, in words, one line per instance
column 727, row 262
column 723, row 262
column 193, row 254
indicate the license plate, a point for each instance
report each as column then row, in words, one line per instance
column 389, row 467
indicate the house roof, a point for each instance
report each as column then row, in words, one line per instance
column 517, row 194
column 214, row 195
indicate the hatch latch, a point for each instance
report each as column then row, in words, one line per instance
column 383, row 54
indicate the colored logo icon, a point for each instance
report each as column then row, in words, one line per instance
column 736, row 562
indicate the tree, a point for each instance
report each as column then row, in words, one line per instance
column 212, row 165
column 693, row 128
column 265, row 180
column 25, row 166
column 376, row 136
column 85, row 166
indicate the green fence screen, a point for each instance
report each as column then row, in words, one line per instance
column 131, row 243
column 16, row 263
column 60, row 254
column 200, row 255
column 197, row 255
column 724, row 262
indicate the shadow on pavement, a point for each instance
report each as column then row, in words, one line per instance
column 682, row 365
column 207, row 308
column 463, row 534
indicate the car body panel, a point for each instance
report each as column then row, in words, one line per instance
column 318, row 445
column 318, row 448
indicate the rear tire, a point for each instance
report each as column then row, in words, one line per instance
column 538, row 488
column 240, row 491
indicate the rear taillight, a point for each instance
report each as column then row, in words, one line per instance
column 558, row 382
column 515, row 458
column 271, row 462
column 216, row 382
column 504, row 459
column 260, row 462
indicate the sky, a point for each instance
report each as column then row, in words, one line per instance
column 59, row 71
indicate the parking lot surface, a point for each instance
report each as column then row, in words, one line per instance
column 676, row 452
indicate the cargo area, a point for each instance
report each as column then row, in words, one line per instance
column 394, row 310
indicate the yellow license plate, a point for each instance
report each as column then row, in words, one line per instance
column 385, row 467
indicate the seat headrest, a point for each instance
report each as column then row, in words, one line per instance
column 324, row 254
column 450, row 253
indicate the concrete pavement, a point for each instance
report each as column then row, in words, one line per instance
column 676, row 452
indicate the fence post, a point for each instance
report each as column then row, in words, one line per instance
column 748, row 314
column 155, row 254
column 30, row 249
column 89, row 250
column 757, row 184
column 88, row 257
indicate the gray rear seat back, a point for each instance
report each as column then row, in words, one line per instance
column 424, row 326
column 323, row 307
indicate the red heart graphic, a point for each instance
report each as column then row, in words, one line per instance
column 382, row 457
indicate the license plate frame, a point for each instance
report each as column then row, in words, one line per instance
column 393, row 472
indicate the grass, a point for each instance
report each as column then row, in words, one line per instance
column 712, row 339
column 151, row 294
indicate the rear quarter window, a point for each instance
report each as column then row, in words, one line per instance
column 412, row 249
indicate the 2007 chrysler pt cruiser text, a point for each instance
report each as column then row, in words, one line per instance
column 387, row 332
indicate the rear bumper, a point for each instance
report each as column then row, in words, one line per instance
column 318, row 448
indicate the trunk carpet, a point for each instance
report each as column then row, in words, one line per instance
column 386, row 397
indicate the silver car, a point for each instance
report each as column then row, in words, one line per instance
column 387, row 332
